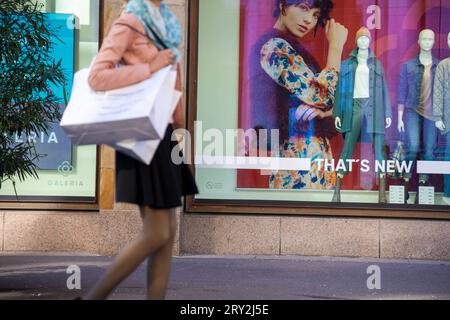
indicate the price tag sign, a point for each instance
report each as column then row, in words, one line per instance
column 426, row 195
column 397, row 194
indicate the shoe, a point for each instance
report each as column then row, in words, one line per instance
column 382, row 191
column 337, row 191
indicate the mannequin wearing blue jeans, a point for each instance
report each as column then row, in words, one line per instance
column 417, row 126
column 415, row 106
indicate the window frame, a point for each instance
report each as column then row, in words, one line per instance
column 269, row 207
column 59, row 203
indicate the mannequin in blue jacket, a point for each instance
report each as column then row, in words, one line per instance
column 415, row 106
column 362, row 95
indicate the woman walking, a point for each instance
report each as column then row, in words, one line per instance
column 144, row 39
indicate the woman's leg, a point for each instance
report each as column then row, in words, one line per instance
column 155, row 233
column 159, row 265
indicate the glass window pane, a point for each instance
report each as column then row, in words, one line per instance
column 67, row 172
column 335, row 131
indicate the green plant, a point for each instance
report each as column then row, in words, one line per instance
column 27, row 72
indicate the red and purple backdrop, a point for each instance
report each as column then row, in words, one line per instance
column 394, row 43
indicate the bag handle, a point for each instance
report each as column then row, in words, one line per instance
column 133, row 28
column 144, row 34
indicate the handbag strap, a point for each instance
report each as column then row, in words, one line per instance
column 143, row 34
column 134, row 29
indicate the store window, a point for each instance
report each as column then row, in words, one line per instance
column 67, row 173
column 276, row 123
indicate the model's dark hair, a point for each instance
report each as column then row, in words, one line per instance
column 325, row 6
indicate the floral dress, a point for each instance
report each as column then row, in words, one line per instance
column 313, row 91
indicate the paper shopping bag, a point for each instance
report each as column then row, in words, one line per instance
column 137, row 112
column 144, row 151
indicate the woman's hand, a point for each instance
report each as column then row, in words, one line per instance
column 336, row 34
column 307, row 113
column 163, row 59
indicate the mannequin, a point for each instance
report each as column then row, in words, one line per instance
column 441, row 111
column 362, row 95
column 415, row 107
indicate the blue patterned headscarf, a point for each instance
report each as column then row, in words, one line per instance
column 161, row 24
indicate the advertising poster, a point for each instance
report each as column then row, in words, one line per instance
column 284, row 84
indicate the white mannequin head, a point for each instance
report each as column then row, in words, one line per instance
column 363, row 43
column 363, row 38
column 426, row 40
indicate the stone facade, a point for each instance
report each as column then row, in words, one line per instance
column 343, row 237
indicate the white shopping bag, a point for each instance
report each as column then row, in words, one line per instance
column 139, row 112
column 144, row 151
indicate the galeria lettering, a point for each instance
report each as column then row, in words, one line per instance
column 34, row 137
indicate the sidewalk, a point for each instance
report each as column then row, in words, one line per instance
column 232, row 278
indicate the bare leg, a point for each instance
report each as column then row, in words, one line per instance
column 155, row 233
column 159, row 265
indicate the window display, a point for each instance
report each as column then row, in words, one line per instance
column 66, row 172
column 366, row 128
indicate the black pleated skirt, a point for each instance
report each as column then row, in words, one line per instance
column 160, row 185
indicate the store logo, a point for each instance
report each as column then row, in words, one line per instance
column 374, row 281
column 66, row 183
column 65, row 168
column 74, row 280
column 216, row 148
column 214, row 185
column 40, row 137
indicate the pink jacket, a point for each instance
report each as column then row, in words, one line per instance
column 134, row 50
